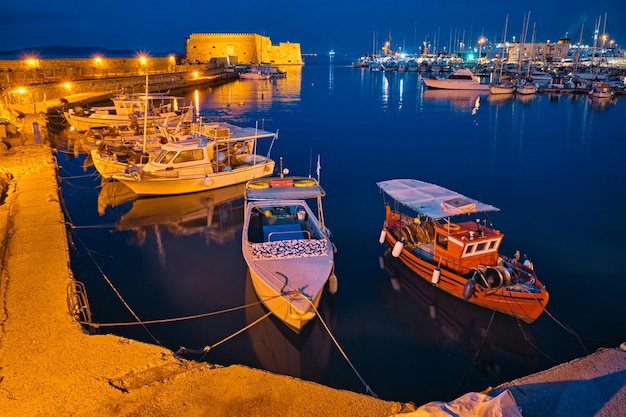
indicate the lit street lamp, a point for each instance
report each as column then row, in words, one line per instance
column 481, row 41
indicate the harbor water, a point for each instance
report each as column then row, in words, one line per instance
column 553, row 164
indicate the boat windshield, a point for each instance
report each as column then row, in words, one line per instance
column 164, row 157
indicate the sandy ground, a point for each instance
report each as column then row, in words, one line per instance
column 50, row 367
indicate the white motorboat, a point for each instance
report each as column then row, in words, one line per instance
column 254, row 73
column 131, row 110
column 461, row 79
column 287, row 247
column 201, row 162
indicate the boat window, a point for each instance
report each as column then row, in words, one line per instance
column 469, row 249
column 164, row 157
column 492, row 244
column 189, row 156
column 442, row 241
column 481, row 247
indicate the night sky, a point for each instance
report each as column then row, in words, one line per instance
column 348, row 27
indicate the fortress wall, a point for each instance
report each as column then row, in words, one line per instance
column 240, row 48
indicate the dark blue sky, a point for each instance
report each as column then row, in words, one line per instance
column 347, row 26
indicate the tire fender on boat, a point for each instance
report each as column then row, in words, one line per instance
column 469, row 288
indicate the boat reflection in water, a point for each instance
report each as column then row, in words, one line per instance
column 282, row 351
column 437, row 318
column 113, row 194
column 459, row 100
column 215, row 213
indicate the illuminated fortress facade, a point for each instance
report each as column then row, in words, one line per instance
column 240, row 48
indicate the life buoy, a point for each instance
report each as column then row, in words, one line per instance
column 304, row 183
column 259, row 185
column 451, row 227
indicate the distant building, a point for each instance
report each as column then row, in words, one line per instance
column 240, row 48
column 546, row 52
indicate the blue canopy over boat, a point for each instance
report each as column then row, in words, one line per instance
column 431, row 200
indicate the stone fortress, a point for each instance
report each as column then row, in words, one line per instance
column 242, row 48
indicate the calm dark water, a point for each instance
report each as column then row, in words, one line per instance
column 553, row 165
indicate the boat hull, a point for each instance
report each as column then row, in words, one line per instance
column 501, row 89
column 444, row 84
column 294, row 309
column 517, row 301
column 108, row 165
column 170, row 185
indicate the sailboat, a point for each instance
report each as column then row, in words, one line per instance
column 526, row 86
column 503, row 87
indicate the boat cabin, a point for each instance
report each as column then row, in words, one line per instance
column 466, row 245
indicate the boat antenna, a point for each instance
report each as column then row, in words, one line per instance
column 310, row 160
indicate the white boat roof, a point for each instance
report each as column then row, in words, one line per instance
column 431, row 200
column 284, row 193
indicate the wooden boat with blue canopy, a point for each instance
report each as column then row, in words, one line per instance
column 287, row 246
column 461, row 258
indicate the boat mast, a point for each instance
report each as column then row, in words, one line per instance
column 504, row 47
column 580, row 42
column 145, row 116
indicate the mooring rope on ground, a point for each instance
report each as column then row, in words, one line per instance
column 207, row 348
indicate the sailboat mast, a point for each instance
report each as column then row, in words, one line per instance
column 145, row 116
column 506, row 24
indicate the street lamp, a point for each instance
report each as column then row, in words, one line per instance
column 481, row 41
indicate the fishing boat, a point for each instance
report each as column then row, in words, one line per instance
column 461, row 79
column 526, row 87
column 201, row 162
column 254, row 73
column 461, row 258
column 287, row 247
column 131, row 110
column 601, row 90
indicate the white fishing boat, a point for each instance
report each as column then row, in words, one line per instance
column 287, row 247
column 602, row 90
column 131, row 110
column 200, row 162
column 461, row 79
column 254, row 73
column 526, row 87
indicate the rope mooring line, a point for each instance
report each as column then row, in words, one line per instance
column 319, row 316
column 207, row 348
column 171, row 320
column 106, row 278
